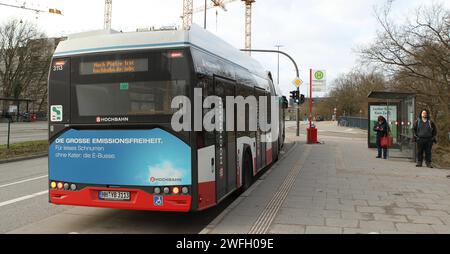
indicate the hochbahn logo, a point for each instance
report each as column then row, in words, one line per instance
column 165, row 179
column 111, row 119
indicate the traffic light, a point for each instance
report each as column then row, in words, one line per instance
column 298, row 98
column 302, row 99
column 293, row 94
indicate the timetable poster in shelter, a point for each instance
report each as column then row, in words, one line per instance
column 120, row 157
column 382, row 110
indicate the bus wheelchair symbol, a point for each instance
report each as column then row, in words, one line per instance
column 158, row 200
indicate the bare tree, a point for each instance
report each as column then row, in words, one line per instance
column 415, row 47
column 25, row 54
column 416, row 55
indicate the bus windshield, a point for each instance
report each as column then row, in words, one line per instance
column 128, row 84
column 128, row 98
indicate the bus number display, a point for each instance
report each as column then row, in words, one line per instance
column 58, row 65
column 114, row 66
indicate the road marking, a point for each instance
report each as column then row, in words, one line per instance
column 23, row 181
column 12, row 201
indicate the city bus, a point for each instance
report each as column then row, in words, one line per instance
column 111, row 141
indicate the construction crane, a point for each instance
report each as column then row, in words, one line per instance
column 188, row 6
column 24, row 7
column 108, row 14
column 248, row 24
column 188, row 11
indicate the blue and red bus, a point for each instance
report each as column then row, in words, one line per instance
column 110, row 134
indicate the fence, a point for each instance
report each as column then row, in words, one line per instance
column 355, row 122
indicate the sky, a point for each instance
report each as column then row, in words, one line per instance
column 318, row 34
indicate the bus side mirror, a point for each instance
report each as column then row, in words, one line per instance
column 284, row 102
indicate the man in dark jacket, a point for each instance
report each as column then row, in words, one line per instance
column 382, row 130
column 425, row 135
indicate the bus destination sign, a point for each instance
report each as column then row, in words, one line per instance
column 114, row 66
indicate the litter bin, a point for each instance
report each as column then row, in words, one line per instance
column 311, row 135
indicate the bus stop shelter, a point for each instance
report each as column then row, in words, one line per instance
column 399, row 109
column 14, row 109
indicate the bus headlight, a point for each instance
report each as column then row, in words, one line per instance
column 175, row 190
column 185, row 190
column 166, row 190
column 66, row 186
column 157, row 190
column 53, row 185
column 73, row 187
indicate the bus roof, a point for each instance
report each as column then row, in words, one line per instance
column 109, row 40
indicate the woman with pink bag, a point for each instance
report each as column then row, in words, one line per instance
column 382, row 130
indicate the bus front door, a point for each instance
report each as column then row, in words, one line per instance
column 225, row 143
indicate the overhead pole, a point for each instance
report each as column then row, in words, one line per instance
column 278, row 63
column 213, row 4
column 108, row 14
column 206, row 7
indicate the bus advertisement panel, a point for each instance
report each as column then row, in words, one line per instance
column 120, row 157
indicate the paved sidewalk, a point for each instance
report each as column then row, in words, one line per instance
column 340, row 187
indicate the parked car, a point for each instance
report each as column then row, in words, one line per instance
column 27, row 117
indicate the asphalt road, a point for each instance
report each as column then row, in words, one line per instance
column 23, row 194
column 23, row 131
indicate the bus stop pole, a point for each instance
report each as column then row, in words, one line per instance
column 298, row 115
column 310, row 98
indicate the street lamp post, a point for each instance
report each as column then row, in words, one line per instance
column 204, row 21
column 296, row 71
column 278, row 65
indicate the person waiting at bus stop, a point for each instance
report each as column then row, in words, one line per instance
column 382, row 130
column 424, row 135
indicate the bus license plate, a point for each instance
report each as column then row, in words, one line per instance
column 114, row 195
